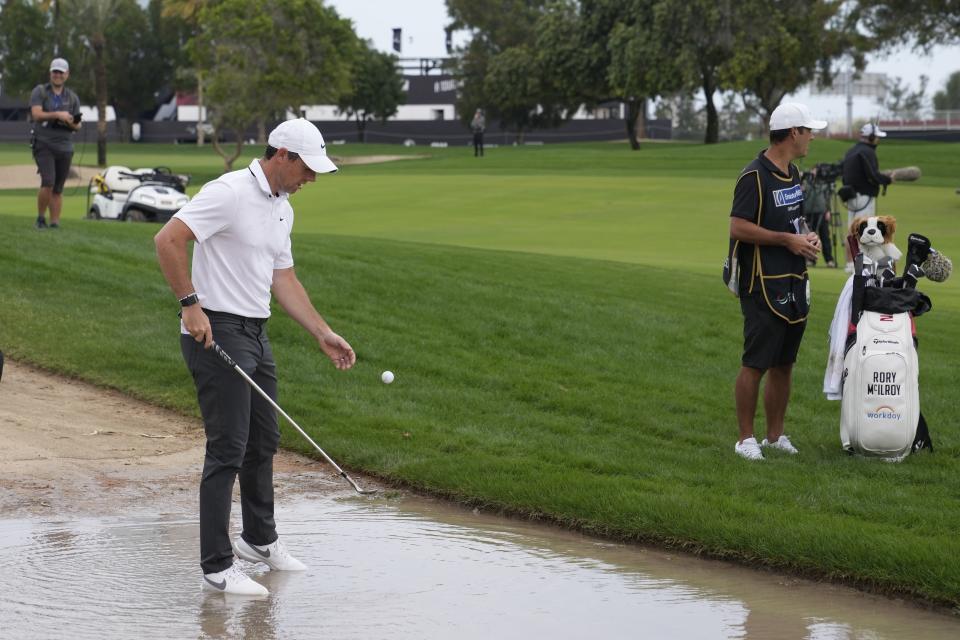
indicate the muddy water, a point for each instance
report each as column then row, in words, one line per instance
column 411, row 568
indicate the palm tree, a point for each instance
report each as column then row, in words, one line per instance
column 189, row 12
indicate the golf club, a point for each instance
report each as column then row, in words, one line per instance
column 913, row 273
column 256, row 387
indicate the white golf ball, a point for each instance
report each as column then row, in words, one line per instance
column 387, row 377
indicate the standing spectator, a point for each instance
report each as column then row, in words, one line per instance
column 861, row 172
column 769, row 246
column 240, row 224
column 479, row 125
column 55, row 110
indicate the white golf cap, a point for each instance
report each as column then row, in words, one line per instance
column 793, row 114
column 871, row 129
column 303, row 138
column 59, row 64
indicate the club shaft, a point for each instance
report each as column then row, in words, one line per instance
column 280, row 410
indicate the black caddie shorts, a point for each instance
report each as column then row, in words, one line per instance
column 768, row 340
column 53, row 166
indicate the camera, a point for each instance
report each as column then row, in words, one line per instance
column 828, row 171
column 59, row 124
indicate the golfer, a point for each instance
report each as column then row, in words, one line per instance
column 55, row 111
column 240, row 224
column 861, row 172
column 771, row 243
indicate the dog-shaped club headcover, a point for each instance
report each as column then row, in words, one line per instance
column 875, row 237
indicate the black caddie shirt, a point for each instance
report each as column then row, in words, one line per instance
column 773, row 200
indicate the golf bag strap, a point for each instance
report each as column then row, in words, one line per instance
column 859, row 284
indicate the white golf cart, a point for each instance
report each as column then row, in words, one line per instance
column 141, row 195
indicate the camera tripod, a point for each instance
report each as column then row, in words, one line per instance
column 836, row 232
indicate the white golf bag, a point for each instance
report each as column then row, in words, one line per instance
column 880, row 408
column 880, row 395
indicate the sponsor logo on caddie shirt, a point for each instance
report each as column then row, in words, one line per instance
column 789, row 196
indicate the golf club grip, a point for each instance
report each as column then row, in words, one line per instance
column 223, row 354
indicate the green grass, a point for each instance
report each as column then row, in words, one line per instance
column 584, row 375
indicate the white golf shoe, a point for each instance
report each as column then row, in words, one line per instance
column 749, row 449
column 782, row 443
column 274, row 555
column 233, row 581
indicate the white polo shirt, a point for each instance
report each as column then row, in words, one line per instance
column 243, row 235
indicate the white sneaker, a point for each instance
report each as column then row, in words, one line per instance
column 233, row 581
column 274, row 555
column 783, row 443
column 749, row 449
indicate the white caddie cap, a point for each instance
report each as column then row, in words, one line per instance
column 871, row 129
column 303, row 138
column 59, row 64
column 793, row 114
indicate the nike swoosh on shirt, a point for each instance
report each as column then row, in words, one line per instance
column 219, row 585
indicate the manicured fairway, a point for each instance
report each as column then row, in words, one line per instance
column 562, row 343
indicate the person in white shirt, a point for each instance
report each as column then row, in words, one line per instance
column 240, row 224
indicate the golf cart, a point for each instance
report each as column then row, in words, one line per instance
column 141, row 195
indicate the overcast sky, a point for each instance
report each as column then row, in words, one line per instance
column 423, row 23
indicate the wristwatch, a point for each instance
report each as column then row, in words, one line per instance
column 189, row 301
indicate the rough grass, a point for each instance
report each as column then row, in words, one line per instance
column 543, row 380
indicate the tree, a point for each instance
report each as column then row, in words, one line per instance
column 137, row 62
column 262, row 58
column 949, row 98
column 518, row 95
column 688, row 121
column 183, row 18
column 85, row 30
column 593, row 51
column 502, row 70
column 642, row 62
column 902, row 102
column 26, row 45
column 500, row 24
column 701, row 35
column 376, row 89
column 737, row 123
column 784, row 45
column 924, row 22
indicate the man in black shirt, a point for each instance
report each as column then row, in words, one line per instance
column 770, row 243
column 861, row 172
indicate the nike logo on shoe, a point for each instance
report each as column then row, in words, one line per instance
column 219, row 585
column 263, row 553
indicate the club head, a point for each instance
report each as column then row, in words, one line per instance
column 918, row 248
column 912, row 273
column 356, row 487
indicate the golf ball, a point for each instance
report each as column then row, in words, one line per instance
column 387, row 377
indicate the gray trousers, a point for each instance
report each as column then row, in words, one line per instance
column 242, row 434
